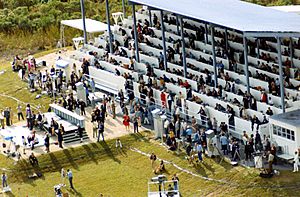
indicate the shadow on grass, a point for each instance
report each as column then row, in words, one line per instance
column 9, row 194
column 139, row 137
column 55, row 162
column 108, row 151
column 209, row 167
column 90, row 153
column 70, row 158
column 74, row 192
column 200, row 169
column 222, row 162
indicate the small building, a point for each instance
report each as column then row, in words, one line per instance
column 285, row 132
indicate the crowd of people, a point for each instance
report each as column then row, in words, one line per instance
column 181, row 131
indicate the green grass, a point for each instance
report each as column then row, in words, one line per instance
column 99, row 168
column 11, row 85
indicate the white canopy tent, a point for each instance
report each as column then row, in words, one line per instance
column 92, row 26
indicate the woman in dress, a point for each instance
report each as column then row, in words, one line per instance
column 126, row 121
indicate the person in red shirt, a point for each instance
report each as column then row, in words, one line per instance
column 264, row 97
column 163, row 99
column 186, row 84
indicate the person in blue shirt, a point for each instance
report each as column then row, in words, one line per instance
column 199, row 151
column 70, row 177
column 224, row 144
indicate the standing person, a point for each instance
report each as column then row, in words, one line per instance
column 113, row 109
column 24, row 143
column 95, row 129
column 47, row 142
column 170, row 101
column 296, row 162
column 80, row 132
column 126, row 121
column 215, row 125
column 163, row 99
column 92, row 84
column 63, row 176
column 93, row 103
column 274, row 151
column 152, row 159
column 100, row 130
column 136, row 125
column 199, row 150
column 2, row 119
column 7, row 116
column 28, row 115
column 4, row 180
column 60, row 138
column 176, row 180
column 70, row 177
column 270, row 161
column 11, row 115
column 224, row 144
column 82, row 107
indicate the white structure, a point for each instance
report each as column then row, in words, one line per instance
column 285, row 132
column 64, row 65
column 67, row 118
column 159, row 187
column 288, row 8
column 92, row 26
column 81, row 92
column 118, row 16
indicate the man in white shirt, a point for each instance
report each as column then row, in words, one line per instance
column 166, row 127
column 296, row 161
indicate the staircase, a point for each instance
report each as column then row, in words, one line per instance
column 70, row 137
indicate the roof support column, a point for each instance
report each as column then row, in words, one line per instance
column 183, row 48
column 291, row 51
column 177, row 24
column 150, row 17
column 226, row 42
column 206, row 34
column 136, row 44
column 163, row 39
column 108, row 27
column 280, row 74
column 257, row 46
column 123, row 7
column 246, row 70
column 83, row 21
column 214, row 56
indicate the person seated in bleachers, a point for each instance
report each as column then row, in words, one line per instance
column 270, row 101
column 269, row 111
column 263, row 97
column 236, row 102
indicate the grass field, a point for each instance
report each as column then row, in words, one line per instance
column 11, row 85
column 100, row 168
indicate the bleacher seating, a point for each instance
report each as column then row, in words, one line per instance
column 150, row 55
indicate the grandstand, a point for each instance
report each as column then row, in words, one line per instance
column 238, row 61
